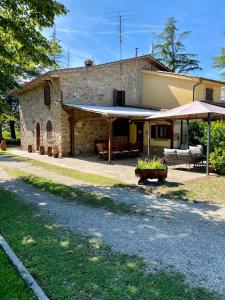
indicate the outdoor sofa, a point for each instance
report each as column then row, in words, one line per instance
column 193, row 155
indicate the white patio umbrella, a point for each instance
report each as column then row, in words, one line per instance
column 194, row 110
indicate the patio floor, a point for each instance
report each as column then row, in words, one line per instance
column 120, row 169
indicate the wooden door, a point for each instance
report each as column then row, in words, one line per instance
column 38, row 133
column 140, row 135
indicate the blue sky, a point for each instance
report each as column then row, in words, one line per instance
column 90, row 29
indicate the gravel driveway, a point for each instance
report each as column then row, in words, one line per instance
column 189, row 238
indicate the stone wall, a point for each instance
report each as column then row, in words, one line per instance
column 88, row 127
column 95, row 85
column 33, row 111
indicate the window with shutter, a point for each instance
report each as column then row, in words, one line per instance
column 161, row 131
column 49, row 130
column 209, row 94
column 47, row 95
column 119, row 97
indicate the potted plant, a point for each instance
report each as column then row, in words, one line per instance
column 152, row 169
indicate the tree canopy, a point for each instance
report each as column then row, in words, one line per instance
column 170, row 49
column 219, row 61
column 24, row 51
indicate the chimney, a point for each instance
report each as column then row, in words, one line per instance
column 88, row 63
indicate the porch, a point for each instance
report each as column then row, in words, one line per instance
column 122, row 170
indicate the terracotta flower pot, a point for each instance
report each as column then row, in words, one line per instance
column 49, row 151
column 3, row 145
column 29, row 149
column 42, row 150
column 55, row 151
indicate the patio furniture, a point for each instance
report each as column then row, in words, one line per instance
column 194, row 110
column 193, row 155
column 134, row 150
column 102, row 150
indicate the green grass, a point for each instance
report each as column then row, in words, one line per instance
column 12, row 285
column 74, row 194
column 76, row 174
column 206, row 189
column 77, row 267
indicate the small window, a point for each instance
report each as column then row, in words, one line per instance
column 161, row 131
column 119, row 98
column 49, row 130
column 47, row 94
column 209, row 94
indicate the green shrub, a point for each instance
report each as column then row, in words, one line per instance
column 217, row 160
column 153, row 164
column 217, row 136
column 196, row 132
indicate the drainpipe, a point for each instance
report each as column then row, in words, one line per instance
column 194, row 87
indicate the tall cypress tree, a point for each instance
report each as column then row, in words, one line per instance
column 170, row 49
column 219, row 61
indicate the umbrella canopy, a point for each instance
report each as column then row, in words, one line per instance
column 193, row 110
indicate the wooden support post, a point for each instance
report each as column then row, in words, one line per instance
column 110, row 140
column 171, row 139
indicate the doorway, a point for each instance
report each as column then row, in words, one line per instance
column 140, row 135
column 38, row 133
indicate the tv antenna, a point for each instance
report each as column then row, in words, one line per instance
column 120, row 17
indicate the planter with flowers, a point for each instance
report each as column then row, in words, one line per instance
column 152, row 169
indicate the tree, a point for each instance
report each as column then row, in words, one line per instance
column 219, row 61
column 170, row 49
column 24, row 51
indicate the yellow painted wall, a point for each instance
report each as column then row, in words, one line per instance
column 133, row 133
column 165, row 92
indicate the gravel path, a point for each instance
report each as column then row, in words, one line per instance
column 189, row 238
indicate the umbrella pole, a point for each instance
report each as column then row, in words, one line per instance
column 208, row 144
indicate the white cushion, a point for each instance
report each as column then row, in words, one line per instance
column 183, row 152
column 170, row 151
column 195, row 149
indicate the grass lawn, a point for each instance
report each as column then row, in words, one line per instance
column 12, row 285
column 76, row 174
column 78, row 267
column 206, row 189
column 74, row 194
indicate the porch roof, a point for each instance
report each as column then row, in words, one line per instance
column 115, row 111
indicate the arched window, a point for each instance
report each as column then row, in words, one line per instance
column 49, row 130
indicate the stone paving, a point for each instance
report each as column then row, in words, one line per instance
column 120, row 169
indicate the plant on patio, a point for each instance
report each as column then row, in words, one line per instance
column 152, row 164
column 217, row 159
column 150, row 169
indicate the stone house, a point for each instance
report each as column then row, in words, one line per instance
column 73, row 108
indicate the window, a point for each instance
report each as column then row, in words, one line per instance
column 47, row 94
column 209, row 94
column 119, row 98
column 161, row 131
column 121, row 127
column 49, row 130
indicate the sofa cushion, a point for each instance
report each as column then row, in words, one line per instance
column 196, row 149
column 184, row 152
column 170, row 151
